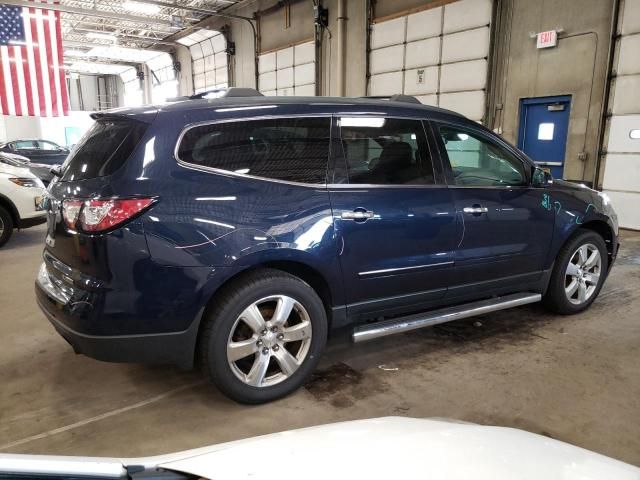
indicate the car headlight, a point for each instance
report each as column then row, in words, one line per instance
column 26, row 182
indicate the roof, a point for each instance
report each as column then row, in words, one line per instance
column 289, row 105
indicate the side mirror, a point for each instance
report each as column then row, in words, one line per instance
column 540, row 177
column 56, row 171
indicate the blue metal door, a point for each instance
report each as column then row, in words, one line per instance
column 544, row 124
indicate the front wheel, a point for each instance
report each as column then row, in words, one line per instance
column 264, row 336
column 579, row 272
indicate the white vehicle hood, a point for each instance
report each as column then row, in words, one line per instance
column 17, row 171
column 384, row 448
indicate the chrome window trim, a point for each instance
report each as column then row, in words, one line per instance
column 400, row 269
column 219, row 171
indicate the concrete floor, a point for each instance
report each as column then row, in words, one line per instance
column 575, row 378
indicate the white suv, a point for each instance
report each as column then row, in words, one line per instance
column 21, row 200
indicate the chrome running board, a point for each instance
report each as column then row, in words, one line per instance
column 443, row 315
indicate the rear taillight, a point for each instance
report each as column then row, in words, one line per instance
column 94, row 216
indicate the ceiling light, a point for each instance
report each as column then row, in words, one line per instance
column 102, row 36
column 141, row 7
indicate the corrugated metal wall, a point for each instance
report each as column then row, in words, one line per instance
column 622, row 163
column 440, row 55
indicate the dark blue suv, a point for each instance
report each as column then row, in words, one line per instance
column 237, row 232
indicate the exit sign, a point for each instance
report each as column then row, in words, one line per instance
column 547, row 39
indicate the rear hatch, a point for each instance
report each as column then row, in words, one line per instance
column 85, row 205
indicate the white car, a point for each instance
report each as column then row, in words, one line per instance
column 21, row 200
column 383, row 448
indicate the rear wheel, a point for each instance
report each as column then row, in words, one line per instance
column 578, row 274
column 6, row 226
column 264, row 337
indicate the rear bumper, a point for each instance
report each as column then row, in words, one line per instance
column 63, row 304
column 167, row 348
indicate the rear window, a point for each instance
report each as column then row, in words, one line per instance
column 291, row 149
column 103, row 149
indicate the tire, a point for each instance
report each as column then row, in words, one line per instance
column 234, row 346
column 565, row 279
column 6, row 226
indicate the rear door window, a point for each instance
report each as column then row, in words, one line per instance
column 290, row 149
column 386, row 151
column 103, row 149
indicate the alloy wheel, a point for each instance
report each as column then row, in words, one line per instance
column 583, row 274
column 269, row 341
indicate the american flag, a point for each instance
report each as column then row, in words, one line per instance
column 32, row 80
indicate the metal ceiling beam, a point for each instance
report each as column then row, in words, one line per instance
column 162, row 30
column 124, row 36
column 89, row 12
column 204, row 11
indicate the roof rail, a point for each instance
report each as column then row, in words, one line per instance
column 397, row 98
column 228, row 92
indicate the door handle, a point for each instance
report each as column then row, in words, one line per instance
column 357, row 215
column 476, row 210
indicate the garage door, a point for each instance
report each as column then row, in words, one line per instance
column 622, row 163
column 210, row 62
column 163, row 78
column 438, row 55
column 288, row 71
column 133, row 95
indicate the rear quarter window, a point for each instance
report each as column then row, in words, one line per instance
column 290, row 149
column 103, row 149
